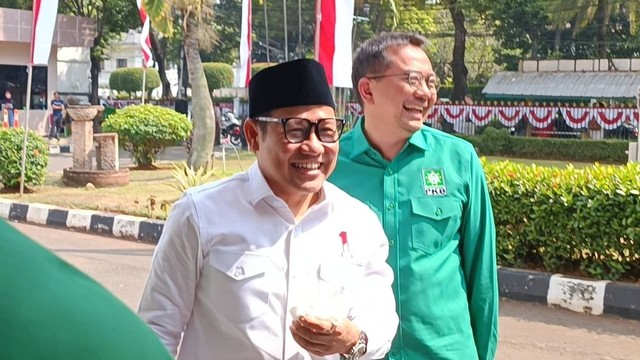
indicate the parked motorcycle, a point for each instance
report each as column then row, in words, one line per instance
column 230, row 128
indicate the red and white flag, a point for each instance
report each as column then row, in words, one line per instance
column 334, row 26
column 45, row 14
column 145, row 40
column 244, row 71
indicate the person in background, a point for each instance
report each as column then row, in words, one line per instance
column 429, row 191
column 49, row 310
column 7, row 104
column 291, row 268
column 57, row 109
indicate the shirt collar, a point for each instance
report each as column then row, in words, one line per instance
column 260, row 189
column 361, row 144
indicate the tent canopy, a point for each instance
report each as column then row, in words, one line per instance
column 568, row 85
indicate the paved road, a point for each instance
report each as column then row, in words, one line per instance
column 527, row 331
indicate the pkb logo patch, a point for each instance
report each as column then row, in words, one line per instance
column 433, row 180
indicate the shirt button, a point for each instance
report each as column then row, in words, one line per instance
column 389, row 172
column 392, row 242
column 438, row 212
column 391, row 206
column 394, row 354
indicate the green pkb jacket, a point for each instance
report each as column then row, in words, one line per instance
column 433, row 202
column 51, row 311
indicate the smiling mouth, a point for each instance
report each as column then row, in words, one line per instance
column 307, row 166
column 414, row 108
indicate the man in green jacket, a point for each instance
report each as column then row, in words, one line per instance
column 50, row 310
column 429, row 191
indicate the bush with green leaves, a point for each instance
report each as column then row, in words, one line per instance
column 578, row 221
column 498, row 142
column 129, row 80
column 145, row 130
column 219, row 75
column 255, row 67
column 11, row 142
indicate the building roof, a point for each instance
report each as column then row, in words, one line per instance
column 584, row 85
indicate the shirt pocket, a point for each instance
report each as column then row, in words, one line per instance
column 434, row 223
column 241, row 284
column 338, row 285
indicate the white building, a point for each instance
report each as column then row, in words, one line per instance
column 66, row 70
column 128, row 53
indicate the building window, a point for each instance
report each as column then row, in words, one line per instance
column 14, row 79
column 121, row 63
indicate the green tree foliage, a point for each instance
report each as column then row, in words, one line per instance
column 130, row 80
column 219, row 75
column 17, row 4
column 112, row 17
column 255, row 67
column 145, row 130
column 11, row 158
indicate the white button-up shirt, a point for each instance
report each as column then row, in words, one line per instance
column 232, row 266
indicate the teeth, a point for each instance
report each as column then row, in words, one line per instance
column 310, row 166
column 417, row 108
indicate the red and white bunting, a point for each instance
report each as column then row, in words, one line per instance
column 541, row 116
column 145, row 40
column 509, row 115
column 576, row 118
column 433, row 114
column 454, row 113
column 609, row 118
column 480, row 115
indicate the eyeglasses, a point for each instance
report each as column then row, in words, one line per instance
column 415, row 79
column 297, row 130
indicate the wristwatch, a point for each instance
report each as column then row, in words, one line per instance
column 359, row 349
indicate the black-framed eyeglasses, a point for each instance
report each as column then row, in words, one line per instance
column 297, row 129
column 415, row 79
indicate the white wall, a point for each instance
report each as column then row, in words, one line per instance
column 74, row 68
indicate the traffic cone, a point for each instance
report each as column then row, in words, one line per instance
column 5, row 119
column 16, row 119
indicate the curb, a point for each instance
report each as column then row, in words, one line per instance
column 595, row 297
column 122, row 226
column 59, row 149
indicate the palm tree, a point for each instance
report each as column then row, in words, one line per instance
column 195, row 18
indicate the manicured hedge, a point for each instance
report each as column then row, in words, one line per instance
column 578, row 221
column 498, row 142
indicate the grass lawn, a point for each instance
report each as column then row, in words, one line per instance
column 146, row 187
column 149, row 191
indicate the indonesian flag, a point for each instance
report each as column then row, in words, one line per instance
column 145, row 40
column 244, row 72
column 334, row 25
column 45, row 13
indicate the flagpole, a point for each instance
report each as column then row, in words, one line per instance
column 286, row 42
column 318, row 21
column 266, row 28
column 144, row 80
column 23, row 165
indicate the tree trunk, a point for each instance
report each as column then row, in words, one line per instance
column 557, row 40
column 458, row 67
column 159, row 54
column 95, row 74
column 94, row 71
column 202, row 107
column 603, row 13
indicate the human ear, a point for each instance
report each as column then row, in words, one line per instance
column 364, row 89
column 251, row 134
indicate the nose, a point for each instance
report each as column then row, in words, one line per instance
column 312, row 145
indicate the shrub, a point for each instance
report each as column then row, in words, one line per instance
column 130, row 80
column 219, row 75
column 255, row 67
column 186, row 177
column 145, row 130
column 11, row 142
column 568, row 220
column 498, row 142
